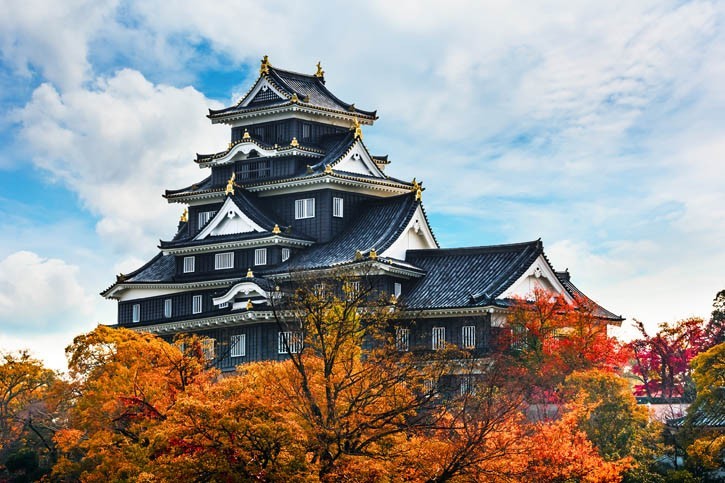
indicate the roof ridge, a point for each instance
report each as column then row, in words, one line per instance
column 474, row 249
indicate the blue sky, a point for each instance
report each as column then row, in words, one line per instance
column 597, row 126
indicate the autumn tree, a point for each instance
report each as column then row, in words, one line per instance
column 551, row 337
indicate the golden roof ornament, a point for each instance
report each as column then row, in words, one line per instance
column 358, row 255
column 264, row 68
column 230, row 184
column 276, row 229
column 246, row 135
column 306, row 99
column 418, row 194
column 320, row 73
column 328, row 169
column 250, row 274
column 416, row 185
column 294, row 143
column 249, row 304
column 184, row 216
column 373, row 255
column 294, row 99
column 358, row 129
column 229, row 146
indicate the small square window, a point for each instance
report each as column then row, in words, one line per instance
column 224, row 305
column 223, row 260
column 196, row 304
column 238, row 345
column 337, row 207
column 260, row 256
column 204, row 217
column 167, row 308
column 289, row 342
column 304, row 208
column 189, row 263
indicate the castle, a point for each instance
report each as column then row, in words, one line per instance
column 298, row 192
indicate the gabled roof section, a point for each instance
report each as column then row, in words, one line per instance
column 237, row 215
column 377, row 227
column 281, row 88
column 351, row 156
column 467, row 277
column 565, row 279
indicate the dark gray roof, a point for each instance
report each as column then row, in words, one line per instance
column 161, row 268
column 307, row 87
column 467, row 277
column 599, row 311
column 379, row 224
column 203, row 185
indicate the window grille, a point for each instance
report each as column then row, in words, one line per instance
column 468, row 337
column 285, row 254
column 189, row 263
column 223, row 260
column 260, row 256
column 204, row 217
column 238, row 345
column 353, row 289
column 136, row 313
column 439, row 338
column 304, row 208
column 337, row 206
column 167, row 308
column 289, row 342
column 255, row 169
column 196, row 304
column 224, row 305
column 402, row 339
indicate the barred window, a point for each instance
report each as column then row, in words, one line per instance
column 196, row 304
column 136, row 312
column 255, row 169
column 468, row 337
column 204, row 217
column 223, row 260
column 402, row 339
column 289, row 342
column 439, row 338
column 238, row 345
column 224, row 305
column 260, row 256
column 285, row 254
column 337, row 206
column 167, row 308
column 304, row 208
column 189, row 263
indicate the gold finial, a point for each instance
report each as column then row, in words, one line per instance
column 393, row 299
column 249, row 305
column 246, row 135
column 373, row 254
column 184, row 216
column 418, row 194
column 358, row 255
column 294, row 99
column 230, row 184
column 320, row 73
column 416, row 185
column 276, row 230
column 328, row 169
column 230, row 146
column 358, row 129
column 264, row 68
column 294, row 143
column 250, row 274
column 306, row 99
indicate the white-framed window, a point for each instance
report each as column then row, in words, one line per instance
column 337, row 207
column 397, row 289
column 167, row 308
column 285, row 254
column 196, row 304
column 353, row 289
column 289, row 342
column 260, row 256
column 204, row 217
column 402, row 339
column 238, row 345
column 136, row 313
column 468, row 337
column 189, row 263
column 304, row 208
column 207, row 348
column 439, row 338
column 223, row 260
column 319, row 289
column 224, row 305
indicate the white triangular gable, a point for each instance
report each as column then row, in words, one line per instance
column 262, row 86
column 229, row 220
column 246, row 289
column 359, row 161
column 539, row 276
column 417, row 235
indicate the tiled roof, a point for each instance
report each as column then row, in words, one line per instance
column 161, row 268
column 203, row 185
column 599, row 311
column 380, row 223
column 711, row 415
column 467, row 277
column 308, row 88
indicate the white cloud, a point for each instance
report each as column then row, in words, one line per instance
column 119, row 145
column 39, row 294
